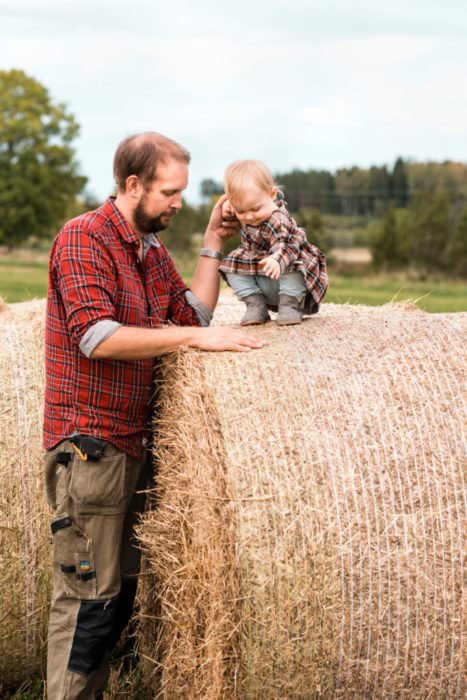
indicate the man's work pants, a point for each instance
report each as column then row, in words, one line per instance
column 96, row 505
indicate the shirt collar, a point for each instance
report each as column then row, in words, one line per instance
column 150, row 240
column 124, row 228
column 281, row 204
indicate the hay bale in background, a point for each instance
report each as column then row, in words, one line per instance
column 24, row 531
column 307, row 540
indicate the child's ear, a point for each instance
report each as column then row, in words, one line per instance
column 274, row 192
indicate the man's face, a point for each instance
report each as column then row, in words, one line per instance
column 158, row 204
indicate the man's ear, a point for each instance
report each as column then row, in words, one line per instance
column 133, row 186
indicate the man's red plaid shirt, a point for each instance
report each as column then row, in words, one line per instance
column 95, row 274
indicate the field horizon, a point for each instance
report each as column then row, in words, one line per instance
column 23, row 277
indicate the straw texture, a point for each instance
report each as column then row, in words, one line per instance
column 306, row 536
column 24, row 533
column 307, row 540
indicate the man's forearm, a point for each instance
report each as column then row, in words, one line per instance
column 132, row 343
column 205, row 283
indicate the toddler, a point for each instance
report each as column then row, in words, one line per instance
column 275, row 267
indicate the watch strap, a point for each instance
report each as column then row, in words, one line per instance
column 209, row 253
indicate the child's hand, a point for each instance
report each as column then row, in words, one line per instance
column 271, row 267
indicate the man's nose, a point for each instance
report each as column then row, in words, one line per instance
column 176, row 201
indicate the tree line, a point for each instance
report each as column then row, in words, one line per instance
column 420, row 209
column 366, row 192
column 429, row 236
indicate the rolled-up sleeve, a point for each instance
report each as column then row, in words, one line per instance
column 96, row 334
column 182, row 311
column 204, row 312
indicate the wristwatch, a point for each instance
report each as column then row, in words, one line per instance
column 209, row 253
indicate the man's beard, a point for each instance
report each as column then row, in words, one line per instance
column 149, row 224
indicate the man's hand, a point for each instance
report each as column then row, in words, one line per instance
column 220, row 226
column 228, row 212
column 271, row 267
column 218, row 338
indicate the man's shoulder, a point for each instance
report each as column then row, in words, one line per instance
column 91, row 222
column 81, row 232
column 82, row 229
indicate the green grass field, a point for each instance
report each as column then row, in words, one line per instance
column 435, row 296
column 23, row 280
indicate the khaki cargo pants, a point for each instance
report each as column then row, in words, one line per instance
column 96, row 505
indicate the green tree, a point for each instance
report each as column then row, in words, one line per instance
column 400, row 184
column 378, row 190
column 456, row 250
column 352, row 188
column 189, row 221
column 39, row 176
column 84, row 202
column 312, row 222
column 431, row 229
column 210, row 188
column 432, row 177
column 307, row 189
column 387, row 247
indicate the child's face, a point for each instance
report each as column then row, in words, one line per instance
column 254, row 206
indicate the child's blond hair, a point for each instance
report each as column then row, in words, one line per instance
column 241, row 173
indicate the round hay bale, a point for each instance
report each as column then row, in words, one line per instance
column 22, row 311
column 306, row 535
column 24, row 532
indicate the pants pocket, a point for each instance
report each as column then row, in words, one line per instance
column 74, row 558
column 56, row 477
column 99, row 487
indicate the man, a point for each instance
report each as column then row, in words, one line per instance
column 115, row 302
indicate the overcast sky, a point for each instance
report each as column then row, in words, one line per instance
column 296, row 83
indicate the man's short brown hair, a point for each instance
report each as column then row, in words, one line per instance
column 141, row 154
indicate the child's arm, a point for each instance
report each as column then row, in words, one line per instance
column 286, row 242
column 271, row 267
